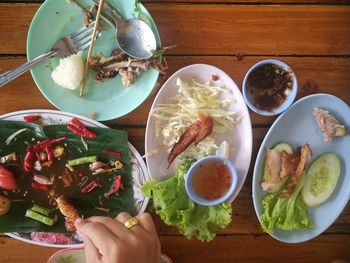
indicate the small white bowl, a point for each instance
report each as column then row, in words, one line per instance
column 290, row 97
column 76, row 254
column 202, row 201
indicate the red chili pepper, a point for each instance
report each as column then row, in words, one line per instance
column 43, row 144
column 29, row 160
column 91, row 186
column 41, row 156
column 31, row 118
column 81, row 174
column 117, row 184
column 79, row 128
column 49, row 153
column 40, row 186
column 115, row 153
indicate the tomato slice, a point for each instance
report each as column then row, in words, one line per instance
column 7, row 180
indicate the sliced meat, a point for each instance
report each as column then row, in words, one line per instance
column 289, row 163
column 69, row 211
column 329, row 125
column 273, row 159
column 305, row 157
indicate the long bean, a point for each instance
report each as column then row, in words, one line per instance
column 42, row 210
column 83, row 160
column 41, row 218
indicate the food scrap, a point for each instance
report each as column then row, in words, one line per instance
column 122, row 64
column 31, row 118
column 329, row 125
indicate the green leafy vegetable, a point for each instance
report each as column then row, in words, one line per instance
column 175, row 208
column 285, row 213
column 16, row 221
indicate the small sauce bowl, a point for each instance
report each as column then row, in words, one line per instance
column 281, row 93
column 211, row 180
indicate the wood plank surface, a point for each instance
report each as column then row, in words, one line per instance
column 315, row 75
column 196, row 29
column 254, row 248
column 312, row 36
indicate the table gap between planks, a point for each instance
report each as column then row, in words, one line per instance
column 312, row 36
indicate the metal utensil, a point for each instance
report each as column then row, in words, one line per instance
column 66, row 46
column 134, row 36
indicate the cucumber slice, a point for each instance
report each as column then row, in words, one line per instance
column 321, row 179
column 283, row 146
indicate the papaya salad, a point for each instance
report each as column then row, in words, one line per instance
column 52, row 174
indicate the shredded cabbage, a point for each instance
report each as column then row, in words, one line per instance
column 178, row 112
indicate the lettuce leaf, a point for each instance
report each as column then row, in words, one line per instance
column 285, row 213
column 175, row 208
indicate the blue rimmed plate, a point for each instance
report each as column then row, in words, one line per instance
column 108, row 100
column 296, row 127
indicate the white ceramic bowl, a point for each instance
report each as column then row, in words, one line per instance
column 202, row 201
column 290, row 98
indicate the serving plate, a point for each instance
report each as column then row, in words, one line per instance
column 240, row 139
column 296, row 127
column 139, row 171
column 108, row 99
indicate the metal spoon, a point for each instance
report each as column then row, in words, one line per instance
column 134, row 36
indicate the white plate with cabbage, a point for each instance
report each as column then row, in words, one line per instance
column 192, row 89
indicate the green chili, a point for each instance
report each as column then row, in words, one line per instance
column 83, row 160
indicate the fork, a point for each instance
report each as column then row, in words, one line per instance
column 66, row 46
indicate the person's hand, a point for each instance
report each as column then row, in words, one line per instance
column 109, row 240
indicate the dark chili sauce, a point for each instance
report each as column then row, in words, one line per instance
column 211, row 180
column 269, row 85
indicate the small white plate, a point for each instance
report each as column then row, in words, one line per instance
column 240, row 139
column 296, row 127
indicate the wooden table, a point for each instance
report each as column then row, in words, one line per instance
column 313, row 37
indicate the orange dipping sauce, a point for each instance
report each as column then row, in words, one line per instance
column 211, row 180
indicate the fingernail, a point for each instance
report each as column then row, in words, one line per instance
column 78, row 221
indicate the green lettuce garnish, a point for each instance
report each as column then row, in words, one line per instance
column 285, row 213
column 175, row 208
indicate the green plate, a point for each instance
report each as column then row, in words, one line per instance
column 108, row 99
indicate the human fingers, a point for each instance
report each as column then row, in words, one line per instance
column 117, row 228
column 100, row 236
column 123, row 217
column 92, row 254
column 147, row 223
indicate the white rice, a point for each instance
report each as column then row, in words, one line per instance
column 69, row 73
